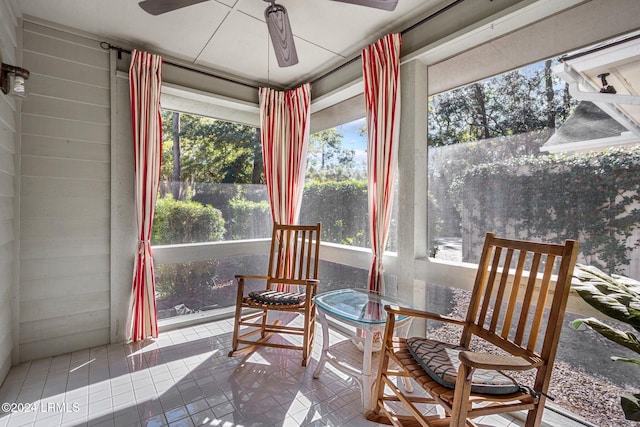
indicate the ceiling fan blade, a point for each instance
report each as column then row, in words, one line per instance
column 281, row 35
column 378, row 4
column 158, row 7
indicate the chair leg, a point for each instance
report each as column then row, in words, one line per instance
column 460, row 404
column 534, row 416
column 236, row 321
column 307, row 337
column 236, row 330
column 378, row 391
column 312, row 330
column 263, row 326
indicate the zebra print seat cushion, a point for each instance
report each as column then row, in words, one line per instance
column 277, row 298
column 440, row 361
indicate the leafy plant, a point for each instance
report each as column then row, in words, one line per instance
column 185, row 222
column 177, row 222
column 601, row 210
column 619, row 298
column 248, row 218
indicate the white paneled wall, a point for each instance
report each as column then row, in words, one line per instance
column 9, row 130
column 65, row 194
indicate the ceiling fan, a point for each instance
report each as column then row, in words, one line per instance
column 276, row 17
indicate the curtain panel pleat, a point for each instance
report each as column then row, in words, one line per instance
column 145, row 80
column 284, row 127
column 381, row 73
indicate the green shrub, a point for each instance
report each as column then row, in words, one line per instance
column 341, row 206
column 591, row 197
column 189, row 283
column 176, row 222
column 248, row 219
column 185, row 222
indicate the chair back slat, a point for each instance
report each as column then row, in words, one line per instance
column 310, row 256
column 294, row 252
column 508, row 316
column 513, row 295
column 300, row 237
column 543, row 294
column 528, row 297
column 501, row 290
column 274, row 253
column 488, row 287
column 297, row 259
column 315, row 254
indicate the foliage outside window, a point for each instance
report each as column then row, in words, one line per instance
column 211, row 190
column 488, row 172
column 217, row 165
column 336, row 189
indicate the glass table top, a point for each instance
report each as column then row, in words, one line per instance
column 356, row 305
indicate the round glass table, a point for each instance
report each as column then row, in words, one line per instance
column 365, row 311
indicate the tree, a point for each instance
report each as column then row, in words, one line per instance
column 327, row 158
column 211, row 150
column 527, row 100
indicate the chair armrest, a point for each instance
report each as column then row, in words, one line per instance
column 405, row 311
column 302, row 282
column 497, row 363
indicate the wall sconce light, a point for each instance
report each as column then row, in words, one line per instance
column 20, row 75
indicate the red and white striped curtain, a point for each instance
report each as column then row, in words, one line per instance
column 381, row 71
column 145, row 80
column 284, row 124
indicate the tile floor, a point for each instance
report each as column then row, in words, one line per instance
column 184, row 378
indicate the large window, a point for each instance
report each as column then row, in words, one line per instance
column 335, row 191
column 211, row 190
column 211, row 182
column 515, row 154
column 481, row 139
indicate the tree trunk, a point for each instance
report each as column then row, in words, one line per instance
column 548, row 81
column 258, row 166
column 482, row 110
column 175, row 177
column 566, row 100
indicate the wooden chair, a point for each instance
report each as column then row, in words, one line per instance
column 293, row 260
column 507, row 319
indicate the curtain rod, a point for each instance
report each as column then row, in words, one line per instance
column 121, row 50
column 403, row 32
column 598, row 48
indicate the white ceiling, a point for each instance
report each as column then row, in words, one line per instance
column 230, row 36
